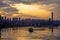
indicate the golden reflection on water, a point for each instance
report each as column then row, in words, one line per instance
column 22, row 33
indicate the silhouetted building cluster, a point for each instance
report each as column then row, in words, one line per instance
column 27, row 22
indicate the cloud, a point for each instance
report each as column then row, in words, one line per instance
column 5, row 8
column 3, row 5
column 33, row 1
column 10, row 10
column 57, row 12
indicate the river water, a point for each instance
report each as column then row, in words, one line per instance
column 22, row 33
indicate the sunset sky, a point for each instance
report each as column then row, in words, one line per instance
column 30, row 8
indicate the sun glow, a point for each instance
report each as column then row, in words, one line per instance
column 34, row 10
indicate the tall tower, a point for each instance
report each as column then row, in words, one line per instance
column 52, row 16
column 52, row 20
column 52, row 30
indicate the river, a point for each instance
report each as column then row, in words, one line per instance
column 22, row 33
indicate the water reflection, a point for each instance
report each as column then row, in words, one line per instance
column 22, row 33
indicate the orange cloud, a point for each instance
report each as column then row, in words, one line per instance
column 33, row 9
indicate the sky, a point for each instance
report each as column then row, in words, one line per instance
column 30, row 8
